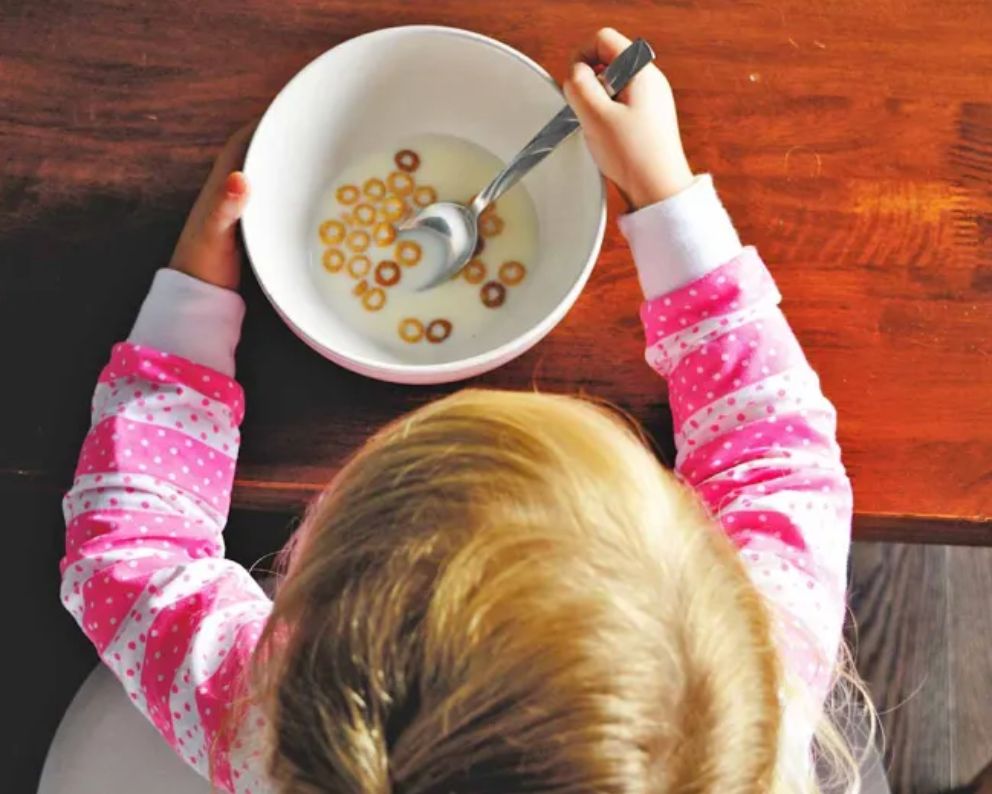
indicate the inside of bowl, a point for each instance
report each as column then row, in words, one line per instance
column 367, row 94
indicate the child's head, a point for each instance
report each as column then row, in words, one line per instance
column 505, row 592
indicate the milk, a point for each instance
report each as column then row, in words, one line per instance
column 457, row 170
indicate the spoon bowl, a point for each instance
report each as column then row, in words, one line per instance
column 455, row 229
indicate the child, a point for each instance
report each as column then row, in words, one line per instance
column 500, row 592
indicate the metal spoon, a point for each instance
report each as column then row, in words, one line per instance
column 456, row 225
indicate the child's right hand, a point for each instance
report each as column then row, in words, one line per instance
column 635, row 137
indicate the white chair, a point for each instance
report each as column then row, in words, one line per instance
column 104, row 745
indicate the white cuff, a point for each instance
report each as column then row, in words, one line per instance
column 192, row 319
column 680, row 239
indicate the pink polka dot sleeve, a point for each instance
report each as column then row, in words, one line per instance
column 756, row 439
column 144, row 573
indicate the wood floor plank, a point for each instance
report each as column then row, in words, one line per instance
column 899, row 601
column 970, row 630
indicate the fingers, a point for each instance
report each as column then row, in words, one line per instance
column 225, row 193
column 232, row 154
column 586, row 95
column 226, row 205
column 601, row 51
column 606, row 45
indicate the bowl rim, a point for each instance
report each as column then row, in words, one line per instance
column 479, row 363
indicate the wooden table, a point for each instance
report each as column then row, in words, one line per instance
column 851, row 141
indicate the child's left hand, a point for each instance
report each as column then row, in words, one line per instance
column 207, row 248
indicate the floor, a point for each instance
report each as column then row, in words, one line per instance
column 922, row 625
column 922, row 614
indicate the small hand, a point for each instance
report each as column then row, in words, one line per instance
column 635, row 137
column 207, row 247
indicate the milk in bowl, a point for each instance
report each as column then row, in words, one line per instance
column 368, row 275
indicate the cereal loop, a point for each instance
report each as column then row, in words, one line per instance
column 384, row 233
column 424, row 196
column 360, row 288
column 358, row 241
column 474, row 272
column 490, row 225
column 331, row 232
column 407, row 160
column 333, row 260
column 512, row 273
column 400, row 183
column 374, row 299
column 348, row 194
column 493, row 294
column 408, row 252
column 393, row 208
column 365, row 214
column 359, row 266
column 387, row 273
column 374, row 188
column 438, row 331
column 411, row 330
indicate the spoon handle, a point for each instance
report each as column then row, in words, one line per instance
column 616, row 76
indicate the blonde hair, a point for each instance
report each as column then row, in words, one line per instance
column 505, row 592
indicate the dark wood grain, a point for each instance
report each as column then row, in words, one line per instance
column 970, row 625
column 852, row 142
column 899, row 602
column 923, row 623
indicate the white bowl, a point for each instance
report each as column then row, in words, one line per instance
column 361, row 97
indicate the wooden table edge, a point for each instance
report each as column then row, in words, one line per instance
column 289, row 498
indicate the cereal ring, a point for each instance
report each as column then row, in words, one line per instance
column 474, row 272
column 489, row 210
column 407, row 160
column 331, row 232
column 393, row 208
column 401, row 183
column 411, row 330
column 333, row 260
column 365, row 214
column 358, row 241
column 360, row 288
column 408, row 253
column 438, row 331
column 493, row 294
column 424, row 196
column 374, row 299
column 490, row 225
column 512, row 273
column 374, row 188
column 384, row 233
column 359, row 266
column 387, row 273
column 348, row 194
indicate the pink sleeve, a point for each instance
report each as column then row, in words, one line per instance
column 756, row 439
column 144, row 573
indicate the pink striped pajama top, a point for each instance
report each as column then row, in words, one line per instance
column 144, row 572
